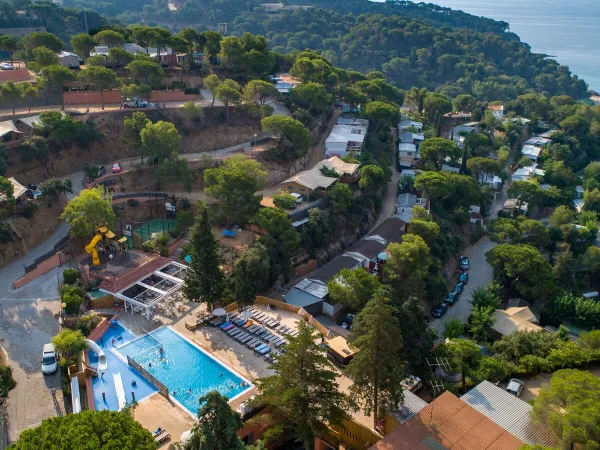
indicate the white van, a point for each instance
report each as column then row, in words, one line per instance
column 592, row 294
column 298, row 197
column 49, row 359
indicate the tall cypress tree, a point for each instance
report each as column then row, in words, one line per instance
column 377, row 369
column 204, row 280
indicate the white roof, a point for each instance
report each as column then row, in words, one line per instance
column 18, row 189
column 29, row 121
column 507, row 322
column 7, row 126
column 449, row 168
column 578, row 204
column 131, row 48
column 409, row 137
column 537, row 141
column 312, row 179
column 345, row 133
column 338, row 165
column 531, row 150
column 407, row 147
column 353, row 121
column 510, row 412
column 410, row 123
column 67, row 54
column 579, row 189
column 492, row 179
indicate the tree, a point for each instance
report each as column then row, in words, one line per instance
column 110, row 38
column 464, row 355
column 10, row 92
column 55, row 78
column 132, row 127
column 228, row 93
column 259, row 89
column 480, row 167
column 408, row 267
column 96, row 61
column 44, row 57
column 372, row 178
column 29, row 92
column 7, row 382
column 250, row 274
column 159, row 140
column 377, row 369
column 88, row 429
column 212, row 83
column 119, row 57
column 525, row 192
column 482, row 322
column 91, row 209
column 10, row 45
column 434, row 107
column 383, row 114
column 304, row 388
column 175, row 170
column 453, row 328
column 523, row 268
column 313, row 97
column 284, row 200
column 418, row 339
column 52, row 188
column 568, row 406
column 192, row 110
column 534, row 233
column 294, row 140
column 217, row 427
column 102, row 77
column 483, row 297
column 232, row 52
column 6, row 187
column 353, row 288
column 434, row 184
column 341, row 198
column 143, row 36
column 436, row 150
column 561, row 216
column 492, row 369
column 43, row 39
column 69, row 342
column 426, row 229
column 213, row 42
column 204, row 280
column 83, row 44
column 591, row 199
column 147, row 71
column 466, row 103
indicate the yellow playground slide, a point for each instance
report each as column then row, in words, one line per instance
column 91, row 248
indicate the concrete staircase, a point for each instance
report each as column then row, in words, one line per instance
column 176, row 253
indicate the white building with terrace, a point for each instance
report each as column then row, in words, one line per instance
column 144, row 287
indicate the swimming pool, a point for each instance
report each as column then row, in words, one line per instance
column 132, row 380
column 186, row 370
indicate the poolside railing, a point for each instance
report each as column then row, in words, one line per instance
column 148, row 376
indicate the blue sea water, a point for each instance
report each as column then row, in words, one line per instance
column 182, row 366
column 569, row 30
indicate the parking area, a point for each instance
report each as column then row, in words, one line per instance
column 24, row 328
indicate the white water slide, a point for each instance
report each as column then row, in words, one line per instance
column 102, row 364
column 120, row 390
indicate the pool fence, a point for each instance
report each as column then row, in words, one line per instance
column 148, row 376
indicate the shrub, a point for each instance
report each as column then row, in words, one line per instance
column 33, row 148
column 29, row 209
column 163, row 239
column 7, row 382
column 531, row 365
column 163, row 250
column 70, row 276
column 87, row 323
column 5, row 233
column 185, row 250
column 73, row 302
column 132, row 202
column 284, row 200
column 184, row 219
column 174, row 232
column 148, row 246
column 192, row 90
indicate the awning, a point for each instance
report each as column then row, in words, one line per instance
column 219, row 312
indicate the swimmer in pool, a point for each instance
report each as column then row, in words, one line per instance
column 149, row 364
column 174, row 392
column 221, row 374
column 244, row 384
column 189, row 391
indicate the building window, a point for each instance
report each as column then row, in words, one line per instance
column 301, row 189
column 290, row 188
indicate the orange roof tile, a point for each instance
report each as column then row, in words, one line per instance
column 119, row 283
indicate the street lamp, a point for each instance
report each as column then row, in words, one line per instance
column 110, row 257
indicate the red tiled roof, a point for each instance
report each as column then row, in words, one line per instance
column 451, row 422
column 117, row 284
column 495, row 107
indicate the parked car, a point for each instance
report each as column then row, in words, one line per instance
column 459, row 287
column 439, row 310
column 101, row 171
column 464, row 263
column 464, row 277
column 298, row 197
column 138, row 103
column 6, row 66
column 451, row 299
column 49, row 359
column 515, row 387
column 116, row 167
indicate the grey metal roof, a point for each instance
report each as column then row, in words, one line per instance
column 369, row 248
column 329, row 270
column 390, row 229
column 510, row 412
column 301, row 298
column 412, row 405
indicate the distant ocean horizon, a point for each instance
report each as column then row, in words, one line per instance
column 566, row 30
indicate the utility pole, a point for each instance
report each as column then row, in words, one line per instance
column 87, row 30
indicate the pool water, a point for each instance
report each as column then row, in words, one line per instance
column 186, row 370
column 106, row 385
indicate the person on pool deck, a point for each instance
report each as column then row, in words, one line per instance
column 113, row 342
column 149, row 364
column 104, row 396
column 102, row 375
column 102, row 339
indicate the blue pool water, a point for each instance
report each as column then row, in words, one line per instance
column 183, row 367
column 115, row 365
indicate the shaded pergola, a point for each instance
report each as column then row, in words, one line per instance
column 147, row 285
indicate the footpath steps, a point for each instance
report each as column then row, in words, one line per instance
column 176, row 253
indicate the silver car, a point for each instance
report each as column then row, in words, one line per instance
column 515, row 387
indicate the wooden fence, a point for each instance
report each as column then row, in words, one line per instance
column 161, row 387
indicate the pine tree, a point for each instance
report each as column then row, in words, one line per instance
column 377, row 369
column 204, row 280
column 304, row 389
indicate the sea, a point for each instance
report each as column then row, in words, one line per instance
column 567, row 30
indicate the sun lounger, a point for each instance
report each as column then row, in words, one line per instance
column 264, row 351
column 240, row 322
column 235, row 332
column 252, row 343
column 162, row 436
column 247, row 339
column 260, row 347
column 225, row 325
column 261, row 316
column 258, row 344
column 241, row 336
column 248, row 324
column 253, row 328
column 229, row 327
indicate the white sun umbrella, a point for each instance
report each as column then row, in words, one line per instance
column 302, row 312
column 246, row 314
column 185, row 436
column 219, row 312
column 383, row 256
